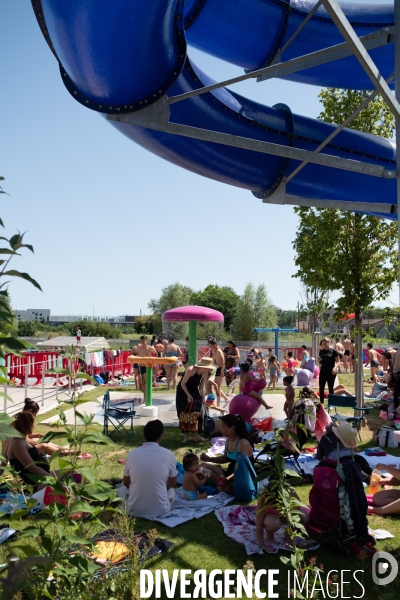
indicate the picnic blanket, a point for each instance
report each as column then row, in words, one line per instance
column 186, row 510
column 239, row 523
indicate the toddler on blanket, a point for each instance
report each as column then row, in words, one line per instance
column 192, row 479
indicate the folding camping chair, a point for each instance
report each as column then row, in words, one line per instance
column 303, row 435
column 335, row 401
column 117, row 418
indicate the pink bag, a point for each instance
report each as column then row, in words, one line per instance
column 383, row 415
column 324, row 497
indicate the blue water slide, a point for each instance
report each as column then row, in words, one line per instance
column 123, row 55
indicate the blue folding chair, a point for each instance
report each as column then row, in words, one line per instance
column 335, row 401
column 117, row 418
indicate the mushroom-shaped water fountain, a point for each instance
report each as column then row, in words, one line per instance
column 193, row 314
column 149, row 361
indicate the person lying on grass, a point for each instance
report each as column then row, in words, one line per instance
column 387, row 502
column 233, row 428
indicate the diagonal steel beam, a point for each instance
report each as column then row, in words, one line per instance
column 348, row 33
column 367, row 207
column 378, row 38
column 156, row 117
column 338, row 130
column 301, row 27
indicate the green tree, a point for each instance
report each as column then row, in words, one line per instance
column 264, row 311
column 340, row 104
column 314, row 303
column 286, row 319
column 224, row 299
column 254, row 310
column 172, row 296
column 361, row 264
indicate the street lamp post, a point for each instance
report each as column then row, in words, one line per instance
column 93, row 311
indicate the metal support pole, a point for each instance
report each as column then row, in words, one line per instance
column 192, row 342
column 57, row 387
column 276, row 343
column 69, row 378
column 43, row 374
column 5, row 390
column 397, row 94
column 26, row 379
column 149, row 386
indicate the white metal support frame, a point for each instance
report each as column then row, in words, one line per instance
column 157, row 116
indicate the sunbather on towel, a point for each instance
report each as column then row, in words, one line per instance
column 192, row 478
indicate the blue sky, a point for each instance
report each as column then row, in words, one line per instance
column 112, row 224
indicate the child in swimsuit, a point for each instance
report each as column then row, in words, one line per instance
column 250, row 386
column 289, row 395
column 192, row 479
column 273, row 368
column 290, row 364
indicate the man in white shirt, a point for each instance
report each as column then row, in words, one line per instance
column 150, row 476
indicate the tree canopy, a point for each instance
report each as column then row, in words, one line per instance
column 254, row 310
column 224, row 299
column 344, row 251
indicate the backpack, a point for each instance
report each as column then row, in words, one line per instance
column 324, row 496
column 386, row 438
column 207, row 423
column 244, row 483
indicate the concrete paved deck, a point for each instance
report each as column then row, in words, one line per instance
column 166, row 408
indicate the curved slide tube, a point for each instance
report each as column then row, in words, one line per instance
column 121, row 56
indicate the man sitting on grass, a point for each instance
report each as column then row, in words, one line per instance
column 150, row 476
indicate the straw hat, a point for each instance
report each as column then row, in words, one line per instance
column 346, row 434
column 206, row 363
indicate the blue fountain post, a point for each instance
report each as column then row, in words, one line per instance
column 276, row 331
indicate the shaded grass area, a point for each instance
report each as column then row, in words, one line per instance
column 201, row 544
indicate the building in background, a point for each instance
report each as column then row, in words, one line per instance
column 33, row 314
column 44, row 315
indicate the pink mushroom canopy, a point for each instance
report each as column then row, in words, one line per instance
column 192, row 313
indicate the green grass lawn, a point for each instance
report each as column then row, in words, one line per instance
column 201, row 544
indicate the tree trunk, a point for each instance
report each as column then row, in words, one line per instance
column 358, row 366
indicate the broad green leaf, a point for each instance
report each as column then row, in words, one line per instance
column 74, row 539
column 29, row 531
column 88, row 473
column 53, row 435
column 26, row 549
column 6, row 432
column 13, row 273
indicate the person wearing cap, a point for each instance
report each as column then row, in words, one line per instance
column 189, row 392
column 342, row 438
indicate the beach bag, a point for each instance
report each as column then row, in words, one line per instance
column 207, row 423
column 245, row 486
column 189, row 419
column 386, row 438
column 262, row 425
column 324, row 496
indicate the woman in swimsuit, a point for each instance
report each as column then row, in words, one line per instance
column 233, row 428
column 23, row 457
column 232, row 357
column 171, row 371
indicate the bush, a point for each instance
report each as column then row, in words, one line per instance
column 88, row 328
column 27, row 328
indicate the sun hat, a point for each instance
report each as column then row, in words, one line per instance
column 346, row 434
column 206, row 363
